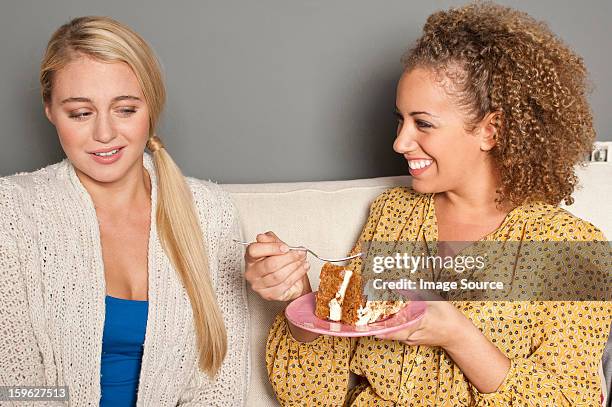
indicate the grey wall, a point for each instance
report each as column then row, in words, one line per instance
column 272, row 90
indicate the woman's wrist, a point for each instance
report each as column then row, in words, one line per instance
column 461, row 333
column 484, row 365
column 299, row 334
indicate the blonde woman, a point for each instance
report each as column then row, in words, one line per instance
column 119, row 276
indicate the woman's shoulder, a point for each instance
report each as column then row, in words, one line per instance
column 556, row 223
column 17, row 191
column 28, row 179
column 403, row 196
column 23, row 187
column 209, row 193
column 214, row 205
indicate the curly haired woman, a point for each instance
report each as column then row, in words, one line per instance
column 493, row 117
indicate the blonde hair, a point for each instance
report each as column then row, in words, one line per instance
column 107, row 40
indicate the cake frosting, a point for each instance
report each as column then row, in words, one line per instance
column 335, row 304
column 374, row 311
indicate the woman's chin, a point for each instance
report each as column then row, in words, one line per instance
column 100, row 173
column 423, row 187
column 108, row 172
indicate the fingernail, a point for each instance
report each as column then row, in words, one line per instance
column 284, row 248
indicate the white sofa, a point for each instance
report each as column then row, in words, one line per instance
column 328, row 216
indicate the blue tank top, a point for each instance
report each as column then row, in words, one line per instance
column 125, row 324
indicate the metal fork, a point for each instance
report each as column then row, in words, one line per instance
column 305, row 249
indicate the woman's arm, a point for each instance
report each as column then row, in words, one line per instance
column 484, row 365
column 305, row 368
column 313, row 373
column 20, row 360
column 567, row 339
column 562, row 370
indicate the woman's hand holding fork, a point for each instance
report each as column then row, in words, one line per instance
column 275, row 272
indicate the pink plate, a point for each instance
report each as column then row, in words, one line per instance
column 301, row 313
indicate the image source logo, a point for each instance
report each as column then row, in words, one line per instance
column 489, row 270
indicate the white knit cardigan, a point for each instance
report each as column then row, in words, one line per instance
column 52, row 291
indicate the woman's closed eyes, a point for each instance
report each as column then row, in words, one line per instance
column 123, row 112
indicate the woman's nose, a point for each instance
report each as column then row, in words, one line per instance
column 103, row 131
column 405, row 140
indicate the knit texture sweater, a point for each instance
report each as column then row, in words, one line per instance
column 52, row 290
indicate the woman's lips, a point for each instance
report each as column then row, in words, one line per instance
column 109, row 157
column 417, row 166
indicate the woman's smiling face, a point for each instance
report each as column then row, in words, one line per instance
column 431, row 135
column 101, row 117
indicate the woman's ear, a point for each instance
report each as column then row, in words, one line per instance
column 48, row 113
column 491, row 126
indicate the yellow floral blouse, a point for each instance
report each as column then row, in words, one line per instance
column 555, row 347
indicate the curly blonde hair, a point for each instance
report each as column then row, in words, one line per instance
column 513, row 64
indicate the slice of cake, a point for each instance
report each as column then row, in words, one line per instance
column 340, row 298
column 340, row 294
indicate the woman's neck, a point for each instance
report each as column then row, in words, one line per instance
column 477, row 205
column 475, row 198
column 133, row 190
